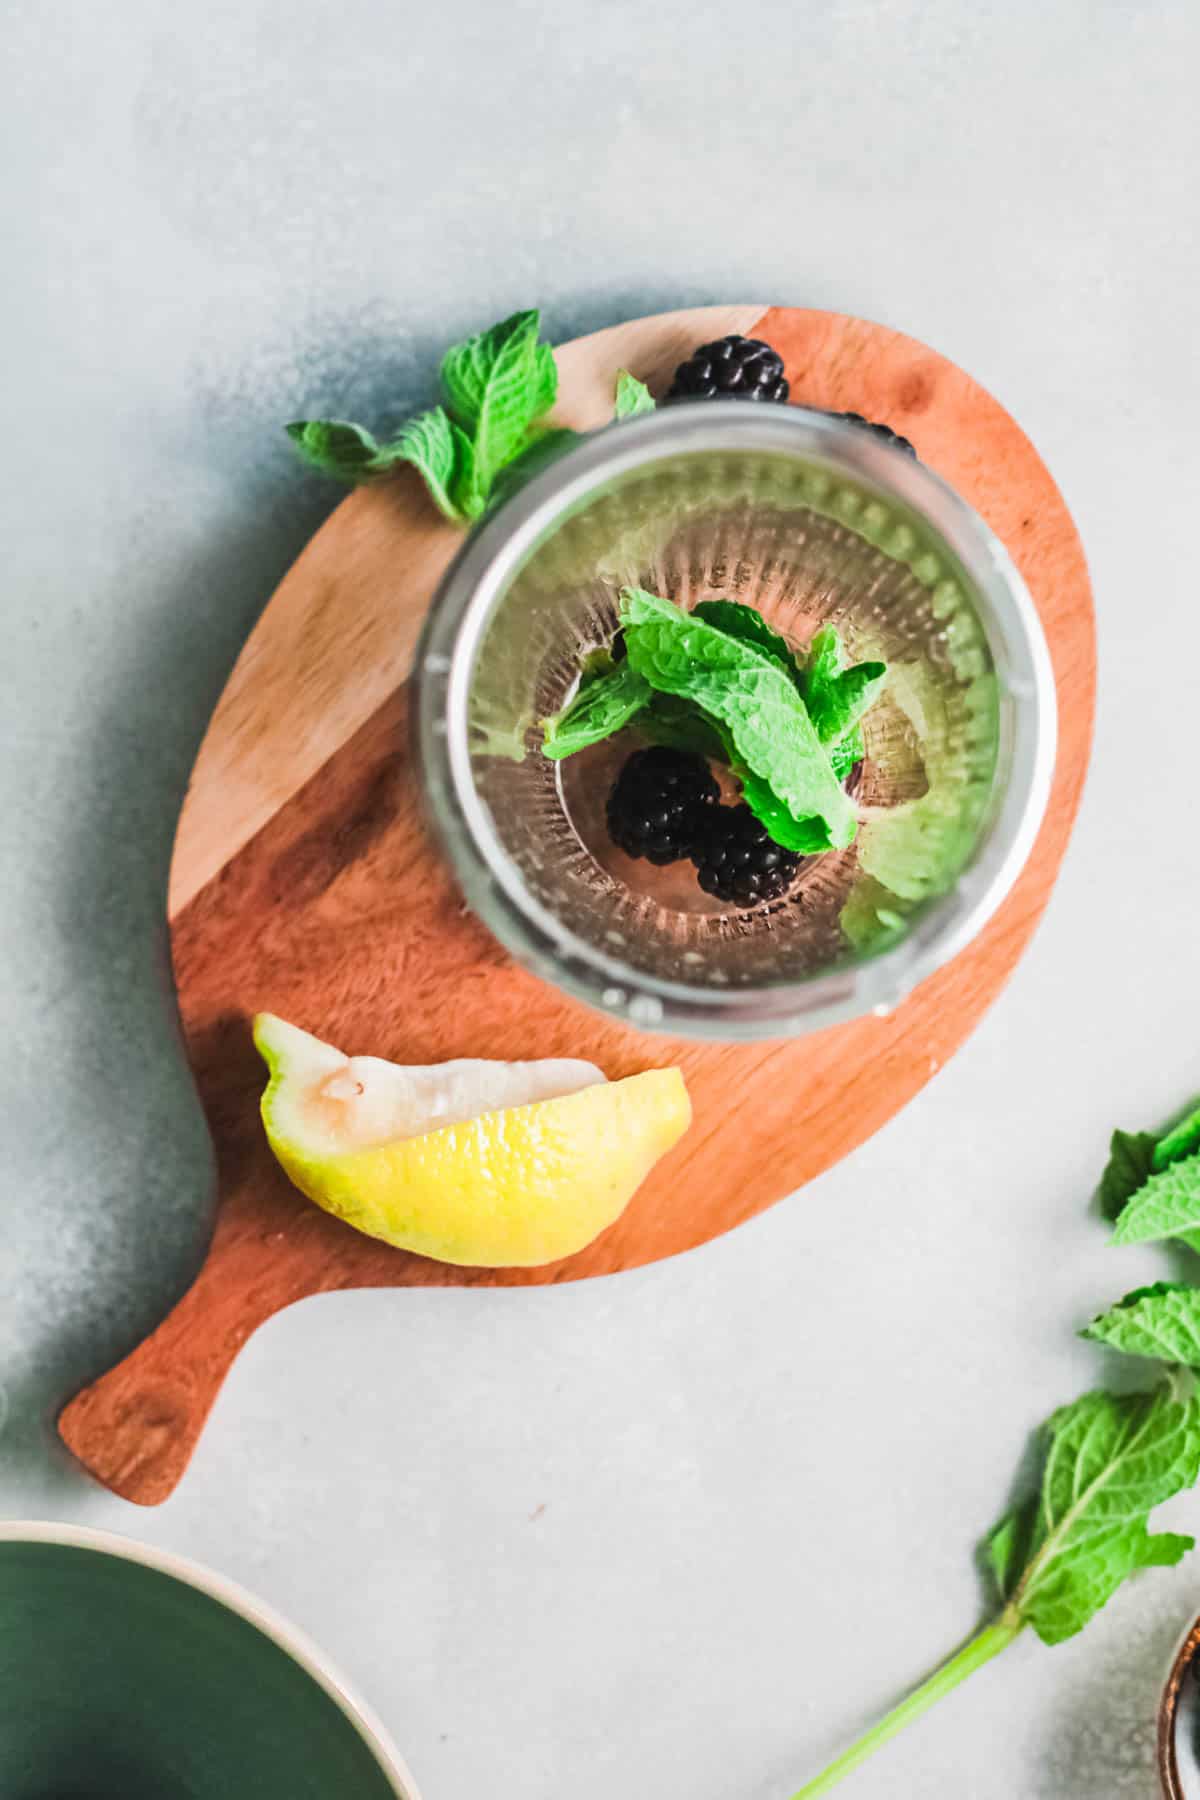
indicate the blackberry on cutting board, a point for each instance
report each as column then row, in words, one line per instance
column 736, row 860
column 659, row 804
column 740, row 367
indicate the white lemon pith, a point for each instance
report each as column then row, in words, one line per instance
column 488, row 1164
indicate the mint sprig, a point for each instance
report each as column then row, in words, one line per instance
column 1057, row 1557
column 830, row 698
column 746, row 694
column 1109, row 1460
column 496, row 386
column 725, row 684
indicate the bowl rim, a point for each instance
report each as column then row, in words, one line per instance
column 1182, row 1658
column 238, row 1600
column 495, row 891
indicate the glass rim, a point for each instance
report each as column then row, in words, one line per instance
column 490, row 880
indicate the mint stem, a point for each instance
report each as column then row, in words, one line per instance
column 981, row 1648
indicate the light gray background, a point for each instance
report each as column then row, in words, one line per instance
column 681, row 1532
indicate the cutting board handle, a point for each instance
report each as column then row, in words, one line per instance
column 136, row 1427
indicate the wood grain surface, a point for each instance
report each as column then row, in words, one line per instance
column 303, row 883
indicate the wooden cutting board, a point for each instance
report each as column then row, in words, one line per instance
column 303, row 883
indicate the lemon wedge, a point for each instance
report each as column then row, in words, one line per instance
column 488, row 1164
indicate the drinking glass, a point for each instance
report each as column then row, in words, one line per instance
column 814, row 521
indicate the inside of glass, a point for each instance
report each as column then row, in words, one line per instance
column 806, row 546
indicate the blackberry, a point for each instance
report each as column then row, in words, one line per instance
column 744, row 368
column 884, row 433
column 736, row 860
column 659, row 804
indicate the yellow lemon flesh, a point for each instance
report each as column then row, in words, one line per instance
column 489, row 1164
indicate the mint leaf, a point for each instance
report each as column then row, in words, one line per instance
column 675, row 725
column 442, row 454
column 336, row 447
column 842, row 704
column 1130, row 1165
column 1111, row 1460
column 1180, row 1141
column 825, row 659
column 749, row 695
column 633, row 396
column 463, row 495
column 846, row 752
column 495, row 385
column 806, row 837
column 1161, row 1321
column 837, row 698
column 1135, row 1157
column 747, row 624
column 1167, row 1205
column 1006, row 1547
column 601, row 707
column 678, row 725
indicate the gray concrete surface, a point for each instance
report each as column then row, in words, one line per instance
column 681, row 1532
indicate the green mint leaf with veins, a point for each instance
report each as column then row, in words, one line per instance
column 749, row 696
column 436, row 447
column 806, row 837
column 825, row 659
column 633, row 396
column 1130, row 1166
column 747, row 624
column 1167, row 1205
column 336, row 447
column 837, row 698
column 496, row 385
column 600, row 707
column 843, row 704
column 1111, row 1459
column 845, row 745
column 1162, row 1321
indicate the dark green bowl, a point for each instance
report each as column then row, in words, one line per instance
column 129, row 1674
